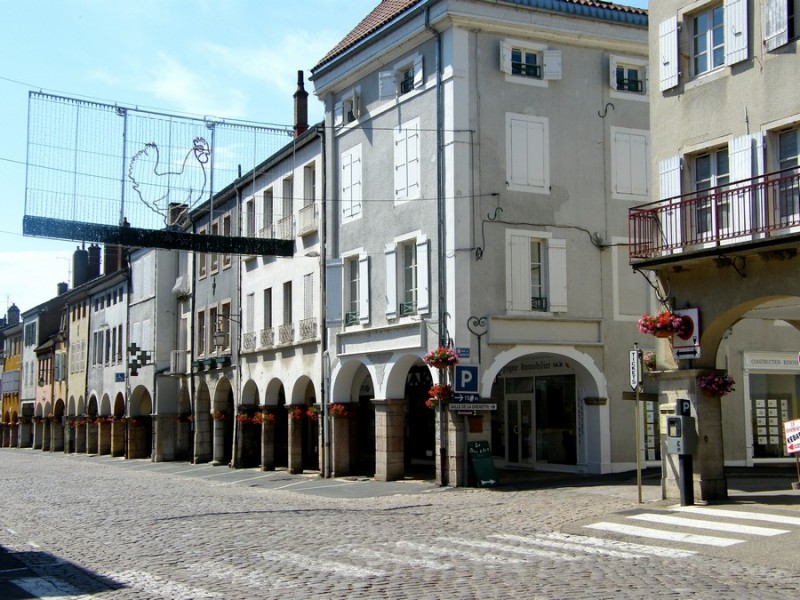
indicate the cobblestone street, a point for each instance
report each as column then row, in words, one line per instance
column 108, row 528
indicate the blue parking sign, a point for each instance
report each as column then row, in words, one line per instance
column 466, row 379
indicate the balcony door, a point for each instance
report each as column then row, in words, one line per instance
column 789, row 185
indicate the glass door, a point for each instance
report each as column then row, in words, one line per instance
column 519, row 423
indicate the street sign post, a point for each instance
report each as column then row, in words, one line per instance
column 635, row 369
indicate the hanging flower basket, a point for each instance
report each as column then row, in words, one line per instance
column 312, row 412
column 244, row 419
column 261, row 418
column 716, row 385
column 440, row 392
column 649, row 361
column 296, row 413
column 666, row 324
column 338, row 410
column 441, row 358
column 432, row 403
column 218, row 415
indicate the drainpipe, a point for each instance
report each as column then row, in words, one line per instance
column 325, row 357
column 440, row 241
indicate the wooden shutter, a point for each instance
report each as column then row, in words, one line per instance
column 740, row 153
column 668, row 53
column 557, row 275
column 776, row 31
column 670, row 187
column 551, row 69
column 390, row 255
column 334, row 273
column 505, row 57
column 338, row 114
column 518, row 282
column 400, row 163
column 423, row 275
column 363, row 288
column 735, row 20
column 386, row 85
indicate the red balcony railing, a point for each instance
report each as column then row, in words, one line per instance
column 743, row 211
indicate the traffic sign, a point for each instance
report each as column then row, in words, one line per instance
column 461, row 397
column 687, row 346
column 466, row 379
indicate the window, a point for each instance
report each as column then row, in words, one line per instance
column 214, row 256
column 407, row 277
column 348, row 109
column 789, row 191
column 269, row 213
column 201, row 261
column 119, row 343
column 201, row 332
column 535, row 272
column 529, row 63
column 782, row 22
column 287, row 302
column 404, row 78
column 309, row 184
column 629, row 159
column 250, row 218
column 268, row 308
column 353, row 288
column 213, row 325
column 708, row 40
column 226, row 231
column 406, row 161
column 351, row 183
column 627, row 75
column 527, row 154
column 711, row 170
column 225, row 323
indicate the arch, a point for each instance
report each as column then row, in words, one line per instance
column 141, row 403
column 203, row 426
column 81, row 409
column 398, row 369
column 342, row 377
column 303, row 391
column 223, row 411
column 119, row 405
column 105, row 405
column 71, row 404
column 58, row 408
column 91, row 407
column 140, row 425
column 250, row 396
column 274, row 394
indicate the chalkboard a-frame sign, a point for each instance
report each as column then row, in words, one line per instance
column 480, row 455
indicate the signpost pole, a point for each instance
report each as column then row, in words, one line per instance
column 636, row 384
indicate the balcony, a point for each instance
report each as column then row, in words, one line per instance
column 286, row 333
column 747, row 215
column 308, row 329
column 248, row 342
column 307, row 220
column 267, row 337
column 284, row 228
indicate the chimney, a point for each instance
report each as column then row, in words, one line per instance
column 300, row 107
column 13, row 315
column 62, row 288
column 80, row 267
column 94, row 262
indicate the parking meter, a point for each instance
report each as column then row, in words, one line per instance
column 682, row 440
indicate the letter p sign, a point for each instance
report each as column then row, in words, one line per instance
column 466, row 379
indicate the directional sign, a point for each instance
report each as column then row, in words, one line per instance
column 461, row 397
column 473, row 406
column 635, row 369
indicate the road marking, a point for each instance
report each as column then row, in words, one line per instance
column 192, row 470
column 264, row 476
column 736, row 514
column 422, row 563
column 637, row 549
column 453, row 552
column 711, row 525
column 671, row 536
column 329, row 485
column 157, row 587
column 543, row 541
column 513, row 549
column 316, row 565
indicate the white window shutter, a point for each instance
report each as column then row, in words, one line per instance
column 518, row 282
column 363, row 288
column 670, row 187
column 400, row 164
column 777, row 24
column 347, row 184
column 551, row 69
column 423, row 276
column 356, row 181
column 735, row 31
column 412, row 161
column 390, row 255
column 612, row 72
column 505, row 57
column 740, row 153
column 386, row 85
column 668, row 53
column 622, row 163
column 640, row 161
column 536, row 134
column 355, row 104
column 334, row 272
column 338, row 114
column 419, row 74
column 557, row 275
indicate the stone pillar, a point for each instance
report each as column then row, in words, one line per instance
column 80, row 438
column 203, row 438
column 164, row 429
column 267, row 446
column 91, row 437
column 219, row 441
column 340, row 446
column 118, row 431
column 69, row 439
column 38, row 431
column 104, row 437
column 708, row 465
column 457, row 474
column 15, row 429
column 389, row 439
column 295, row 441
column 56, row 436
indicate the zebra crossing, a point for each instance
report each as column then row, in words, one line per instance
column 699, row 526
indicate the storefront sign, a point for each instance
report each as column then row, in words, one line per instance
column 792, row 430
column 769, row 361
column 544, row 364
column 480, row 455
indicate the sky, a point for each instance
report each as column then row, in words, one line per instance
column 236, row 59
